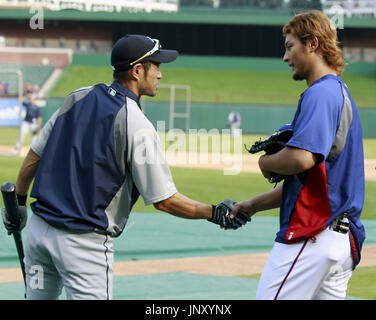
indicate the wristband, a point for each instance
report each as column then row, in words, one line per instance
column 213, row 211
column 21, row 200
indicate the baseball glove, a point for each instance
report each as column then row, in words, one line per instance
column 221, row 214
column 272, row 144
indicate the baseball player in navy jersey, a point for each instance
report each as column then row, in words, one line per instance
column 32, row 120
column 321, row 199
column 92, row 160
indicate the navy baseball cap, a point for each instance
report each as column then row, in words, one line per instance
column 134, row 48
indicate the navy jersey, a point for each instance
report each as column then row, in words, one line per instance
column 98, row 153
column 32, row 111
column 326, row 123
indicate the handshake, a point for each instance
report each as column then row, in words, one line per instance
column 221, row 215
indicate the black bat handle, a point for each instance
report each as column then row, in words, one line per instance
column 8, row 190
column 18, row 241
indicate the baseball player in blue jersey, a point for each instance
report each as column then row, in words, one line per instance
column 321, row 199
column 32, row 120
column 92, row 160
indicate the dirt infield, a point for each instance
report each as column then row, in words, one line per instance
column 232, row 265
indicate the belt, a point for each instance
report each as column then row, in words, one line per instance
column 340, row 224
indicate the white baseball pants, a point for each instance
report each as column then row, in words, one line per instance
column 314, row 269
column 24, row 129
column 82, row 262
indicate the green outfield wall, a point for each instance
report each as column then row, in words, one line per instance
column 255, row 119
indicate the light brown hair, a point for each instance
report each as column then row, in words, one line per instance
column 307, row 25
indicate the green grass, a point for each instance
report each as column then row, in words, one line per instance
column 181, row 142
column 9, row 135
column 238, row 86
column 359, row 86
column 75, row 77
column 223, row 86
column 211, row 186
column 362, row 284
column 369, row 146
column 370, row 201
column 207, row 186
column 9, row 167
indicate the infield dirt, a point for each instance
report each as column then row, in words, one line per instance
column 231, row 265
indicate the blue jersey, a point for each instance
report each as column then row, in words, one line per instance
column 32, row 111
column 326, row 123
column 98, row 154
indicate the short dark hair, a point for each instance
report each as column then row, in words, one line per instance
column 125, row 75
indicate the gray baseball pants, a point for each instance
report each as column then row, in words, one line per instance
column 82, row 262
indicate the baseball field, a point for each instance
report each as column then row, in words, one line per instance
column 233, row 86
column 164, row 257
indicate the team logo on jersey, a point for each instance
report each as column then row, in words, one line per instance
column 112, row 92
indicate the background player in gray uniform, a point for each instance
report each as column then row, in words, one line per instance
column 91, row 161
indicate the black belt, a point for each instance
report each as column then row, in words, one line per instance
column 340, row 224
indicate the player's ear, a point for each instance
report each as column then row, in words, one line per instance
column 136, row 71
column 313, row 43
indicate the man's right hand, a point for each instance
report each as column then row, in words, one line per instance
column 11, row 227
column 221, row 215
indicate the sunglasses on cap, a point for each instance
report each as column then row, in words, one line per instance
column 156, row 47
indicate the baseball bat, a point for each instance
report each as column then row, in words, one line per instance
column 8, row 191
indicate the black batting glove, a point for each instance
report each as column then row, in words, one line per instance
column 11, row 227
column 221, row 213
